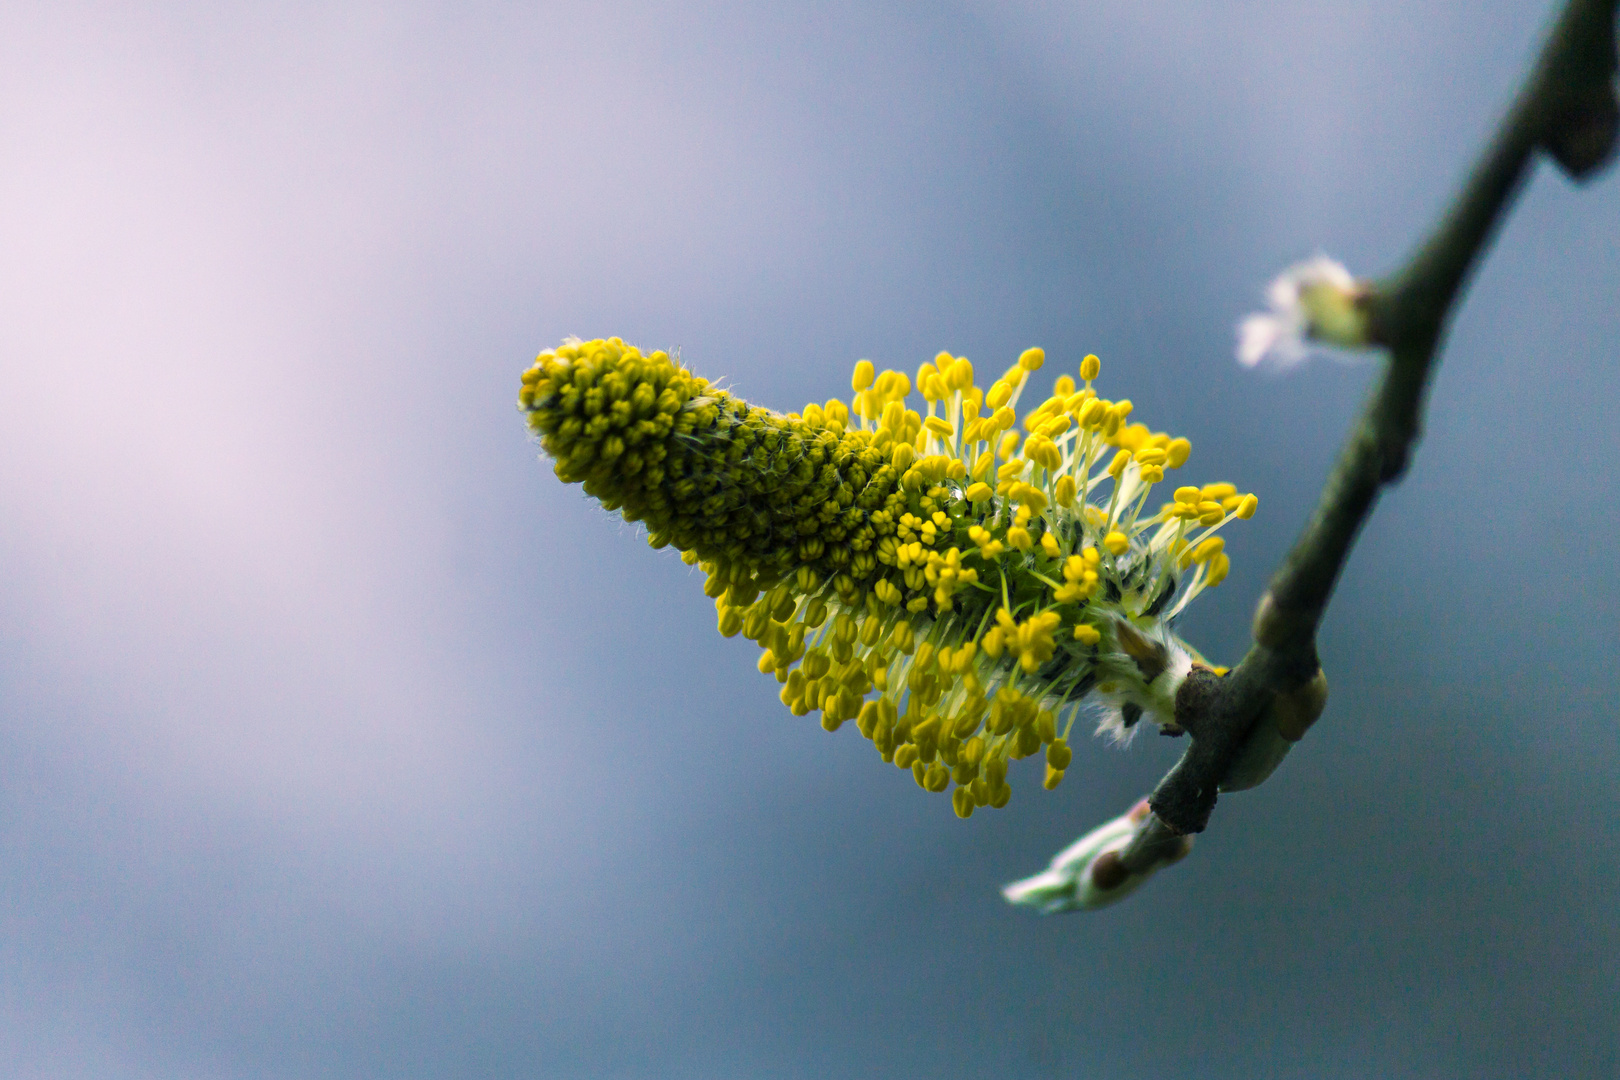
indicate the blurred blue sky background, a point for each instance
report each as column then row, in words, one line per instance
column 338, row 739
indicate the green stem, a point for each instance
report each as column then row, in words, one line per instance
column 1566, row 108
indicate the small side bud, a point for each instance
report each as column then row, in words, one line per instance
column 1283, row 724
column 1314, row 301
column 1262, row 752
column 1583, row 138
column 1091, row 873
column 1298, row 709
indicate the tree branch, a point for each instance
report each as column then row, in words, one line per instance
column 1242, row 724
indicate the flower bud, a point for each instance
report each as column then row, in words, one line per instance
column 1089, row 874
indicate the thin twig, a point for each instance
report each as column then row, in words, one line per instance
column 1566, row 108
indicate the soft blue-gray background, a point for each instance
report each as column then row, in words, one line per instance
column 338, row 739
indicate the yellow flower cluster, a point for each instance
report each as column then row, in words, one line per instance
column 946, row 582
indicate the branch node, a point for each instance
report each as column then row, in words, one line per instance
column 1278, row 628
column 1196, row 699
